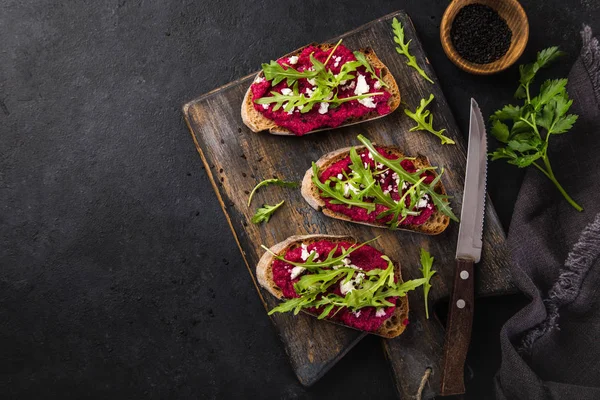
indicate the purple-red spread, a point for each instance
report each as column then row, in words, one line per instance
column 321, row 116
column 386, row 181
column 366, row 258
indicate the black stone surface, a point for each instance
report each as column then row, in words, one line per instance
column 119, row 277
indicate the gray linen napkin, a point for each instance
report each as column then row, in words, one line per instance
column 551, row 348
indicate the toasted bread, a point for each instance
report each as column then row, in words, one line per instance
column 435, row 225
column 257, row 122
column 391, row 327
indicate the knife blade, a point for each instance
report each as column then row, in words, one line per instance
column 468, row 253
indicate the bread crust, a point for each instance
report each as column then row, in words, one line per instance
column 391, row 327
column 435, row 225
column 257, row 122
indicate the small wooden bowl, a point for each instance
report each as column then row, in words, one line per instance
column 517, row 21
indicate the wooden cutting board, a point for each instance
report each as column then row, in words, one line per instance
column 236, row 159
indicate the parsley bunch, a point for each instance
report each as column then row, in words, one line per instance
column 527, row 138
column 326, row 83
column 360, row 188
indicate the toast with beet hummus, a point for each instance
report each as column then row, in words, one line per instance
column 339, row 280
column 317, row 87
column 379, row 186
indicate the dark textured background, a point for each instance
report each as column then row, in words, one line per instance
column 118, row 274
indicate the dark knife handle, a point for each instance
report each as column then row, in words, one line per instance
column 458, row 329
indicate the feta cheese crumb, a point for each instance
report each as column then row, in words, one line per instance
column 369, row 155
column 351, row 85
column 351, row 284
column 368, row 102
column 362, row 86
column 265, row 106
column 340, row 176
column 405, row 185
column 259, row 79
column 296, row 272
column 423, row 201
column 346, row 261
column 323, row 107
column 349, row 188
column 312, row 81
column 309, row 92
column 356, row 313
column 377, row 85
column 293, row 60
column 366, row 165
column 337, row 61
column 305, row 253
column 380, row 312
column 286, row 91
column 343, row 82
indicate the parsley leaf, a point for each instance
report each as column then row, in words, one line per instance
column 264, row 213
column 525, row 130
column 426, row 264
column 403, row 48
column 273, row 181
column 424, row 120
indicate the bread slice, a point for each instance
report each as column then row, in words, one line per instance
column 257, row 122
column 435, row 225
column 390, row 328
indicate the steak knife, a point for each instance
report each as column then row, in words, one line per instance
column 468, row 253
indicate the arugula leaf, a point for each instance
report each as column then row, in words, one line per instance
column 363, row 61
column 403, row 48
column 276, row 73
column 526, row 142
column 329, row 192
column 264, row 213
column 273, row 181
column 440, row 200
column 426, row 264
column 424, row 120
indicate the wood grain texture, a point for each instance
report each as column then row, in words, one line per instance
column 516, row 20
column 236, row 159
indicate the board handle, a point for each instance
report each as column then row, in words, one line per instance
column 458, row 329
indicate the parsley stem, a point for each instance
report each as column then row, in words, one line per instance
column 550, row 175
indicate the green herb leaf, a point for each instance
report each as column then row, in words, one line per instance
column 426, row 264
column 273, row 181
column 264, row 213
column 527, row 141
column 424, row 120
column 403, row 48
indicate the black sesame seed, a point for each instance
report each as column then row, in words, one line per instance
column 479, row 34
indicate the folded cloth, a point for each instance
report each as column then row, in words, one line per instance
column 551, row 348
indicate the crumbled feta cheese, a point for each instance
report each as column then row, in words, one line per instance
column 367, row 102
column 362, row 86
column 349, row 188
column 265, row 106
column 423, row 201
column 296, row 272
column 323, row 107
column 343, row 82
column 366, row 165
column 293, row 60
column 349, row 86
column 395, row 176
column 351, row 284
column 356, row 313
column 405, row 185
column 379, row 166
column 340, row 176
column 380, row 312
column 305, row 253
column 377, row 85
column 369, row 155
column 312, row 81
column 286, row 91
column 259, row 79
column 309, row 92
column 346, row 261
column 337, row 61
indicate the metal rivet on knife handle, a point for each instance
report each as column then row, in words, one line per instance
column 460, row 303
column 464, row 275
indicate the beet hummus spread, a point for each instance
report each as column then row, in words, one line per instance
column 365, row 258
column 389, row 182
column 322, row 114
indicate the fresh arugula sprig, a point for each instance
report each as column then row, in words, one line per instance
column 426, row 264
column 440, row 200
column 264, row 213
column 403, row 48
column 273, row 181
column 326, row 83
column 527, row 138
column 424, row 120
